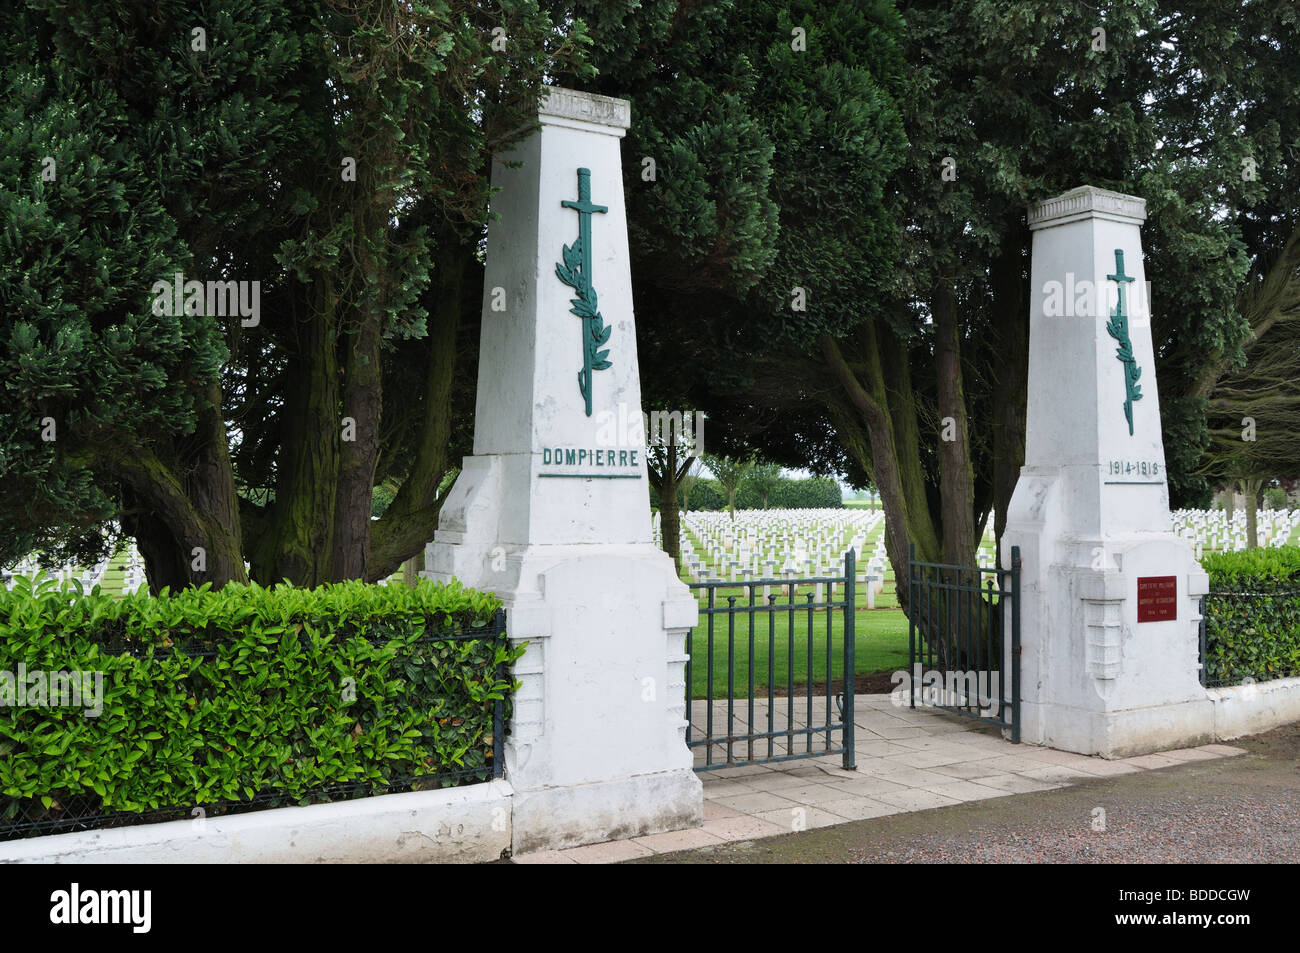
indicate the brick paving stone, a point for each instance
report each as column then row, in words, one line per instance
column 1190, row 754
column 968, row 770
column 859, row 808
column 744, row 827
column 917, row 800
column 1101, row 768
column 944, row 729
column 867, row 787
column 756, row 803
column 677, row 840
column 737, row 773
column 544, row 857
column 813, row 793
column 781, row 783
column 610, row 852
column 713, row 810
column 1055, row 773
column 809, row 818
column 922, row 759
column 723, row 788
column 968, row 791
column 877, row 748
column 958, row 753
column 890, row 733
column 914, row 777
column 1015, row 784
column 1066, row 759
column 1225, row 750
column 1014, row 764
column 926, row 743
column 1151, row 762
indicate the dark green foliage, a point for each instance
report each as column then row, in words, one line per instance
column 225, row 163
column 1252, row 615
column 771, row 166
column 1275, row 498
column 303, row 689
column 763, row 479
column 1254, row 569
column 786, row 494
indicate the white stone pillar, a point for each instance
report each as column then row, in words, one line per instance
column 1090, row 512
column 550, row 511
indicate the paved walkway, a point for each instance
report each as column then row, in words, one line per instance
column 907, row 761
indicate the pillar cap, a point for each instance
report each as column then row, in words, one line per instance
column 1087, row 202
column 571, row 105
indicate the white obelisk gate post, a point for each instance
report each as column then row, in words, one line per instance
column 552, row 512
column 1110, row 609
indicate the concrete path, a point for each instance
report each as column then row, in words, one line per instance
column 907, row 761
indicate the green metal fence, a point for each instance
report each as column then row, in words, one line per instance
column 756, row 723
column 957, row 618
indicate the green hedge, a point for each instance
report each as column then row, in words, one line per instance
column 246, row 694
column 789, row 494
column 1252, row 615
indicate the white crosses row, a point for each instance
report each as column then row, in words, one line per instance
column 1217, row 530
column 776, row 544
column 89, row 576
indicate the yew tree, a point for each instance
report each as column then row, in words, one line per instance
column 336, row 154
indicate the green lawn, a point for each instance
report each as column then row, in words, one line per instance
column 880, row 644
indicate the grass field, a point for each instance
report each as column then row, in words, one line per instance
column 881, row 642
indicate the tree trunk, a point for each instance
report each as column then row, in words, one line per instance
column 956, row 478
column 1250, row 488
column 669, row 518
column 362, row 403
column 956, row 485
column 186, row 539
column 1010, row 371
column 164, row 564
column 890, row 452
column 297, row 542
column 211, row 486
column 411, row 519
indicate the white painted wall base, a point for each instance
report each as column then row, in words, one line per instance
column 467, row 824
column 1249, row 709
column 554, row 818
column 1119, row 734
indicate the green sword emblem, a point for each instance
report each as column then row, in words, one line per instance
column 1117, row 328
column 575, row 271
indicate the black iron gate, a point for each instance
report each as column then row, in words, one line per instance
column 772, row 724
column 960, row 619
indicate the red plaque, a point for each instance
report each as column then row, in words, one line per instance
column 1157, row 598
